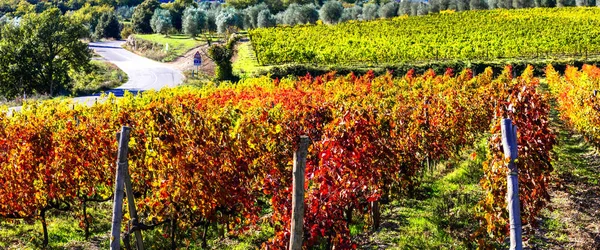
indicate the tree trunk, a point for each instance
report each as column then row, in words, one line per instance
column 85, row 221
column 44, row 228
column 204, row 244
column 173, row 232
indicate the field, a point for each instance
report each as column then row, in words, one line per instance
column 471, row 35
column 215, row 156
column 404, row 157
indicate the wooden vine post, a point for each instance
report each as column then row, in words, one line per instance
column 297, row 232
column 509, row 145
column 123, row 181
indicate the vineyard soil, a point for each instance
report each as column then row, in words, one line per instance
column 571, row 219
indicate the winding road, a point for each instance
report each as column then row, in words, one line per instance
column 144, row 74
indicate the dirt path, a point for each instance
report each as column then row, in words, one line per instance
column 186, row 62
column 572, row 218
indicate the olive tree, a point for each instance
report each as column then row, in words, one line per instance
column 161, row 21
column 331, row 12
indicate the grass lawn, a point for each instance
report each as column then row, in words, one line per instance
column 245, row 63
column 178, row 44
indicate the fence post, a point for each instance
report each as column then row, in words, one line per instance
column 131, row 205
column 298, row 194
column 115, row 232
column 509, row 145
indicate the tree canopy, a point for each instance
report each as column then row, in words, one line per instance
column 37, row 54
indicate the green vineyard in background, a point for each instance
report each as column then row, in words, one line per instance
column 470, row 35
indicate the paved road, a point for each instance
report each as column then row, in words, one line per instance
column 144, row 74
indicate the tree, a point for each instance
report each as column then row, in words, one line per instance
column 221, row 55
column 125, row 12
column 370, row 12
column 275, row 6
column 228, row 18
column 176, row 9
column 504, row 4
column 142, row 15
column 331, row 12
column 404, row 8
column 108, row 27
column 241, row 4
column 211, row 20
column 422, row 9
column 89, row 15
column 519, row 4
column 352, row 13
column 478, row 5
column 462, row 5
column 266, row 19
column 38, row 54
column 252, row 14
column 194, row 20
column 434, row 6
column 161, row 21
column 389, row 10
column 300, row 14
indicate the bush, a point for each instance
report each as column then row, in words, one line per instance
column 194, row 20
column 266, row 19
column 389, row 10
column 142, row 15
column 161, row 21
column 352, row 13
column 126, row 31
column 369, row 12
column 331, row 12
column 101, row 76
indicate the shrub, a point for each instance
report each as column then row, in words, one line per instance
column 126, row 31
column 331, row 12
